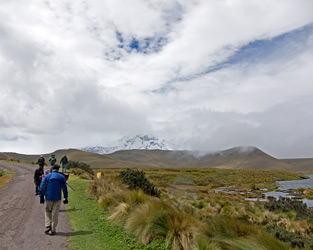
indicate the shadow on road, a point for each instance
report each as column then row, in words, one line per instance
column 70, row 210
column 66, row 234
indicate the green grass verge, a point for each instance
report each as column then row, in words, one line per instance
column 91, row 229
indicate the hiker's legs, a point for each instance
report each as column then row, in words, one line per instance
column 37, row 183
column 48, row 213
column 63, row 167
column 55, row 215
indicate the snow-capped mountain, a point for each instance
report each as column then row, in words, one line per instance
column 131, row 142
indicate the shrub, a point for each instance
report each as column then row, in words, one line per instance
column 2, row 173
column 136, row 179
column 284, row 204
column 295, row 239
column 81, row 165
column 14, row 160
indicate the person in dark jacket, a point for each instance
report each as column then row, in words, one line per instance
column 41, row 161
column 51, row 187
column 64, row 162
column 37, row 178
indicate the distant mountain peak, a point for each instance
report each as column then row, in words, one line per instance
column 243, row 151
column 138, row 141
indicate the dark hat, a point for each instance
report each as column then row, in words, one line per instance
column 56, row 167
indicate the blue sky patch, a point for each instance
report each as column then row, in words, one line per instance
column 289, row 43
column 146, row 45
column 277, row 48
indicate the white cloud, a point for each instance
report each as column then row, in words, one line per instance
column 71, row 74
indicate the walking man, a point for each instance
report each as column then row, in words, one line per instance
column 51, row 187
column 64, row 162
column 52, row 160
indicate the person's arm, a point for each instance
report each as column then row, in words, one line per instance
column 65, row 193
column 42, row 190
column 64, row 187
column 43, row 185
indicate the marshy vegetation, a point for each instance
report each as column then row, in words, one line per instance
column 190, row 214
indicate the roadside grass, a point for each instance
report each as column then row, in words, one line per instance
column 5, row 177
column 91, row 229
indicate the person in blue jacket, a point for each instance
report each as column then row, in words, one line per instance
column 51, row 187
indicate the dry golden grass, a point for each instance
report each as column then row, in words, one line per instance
column 157, row 219
column 187, row 217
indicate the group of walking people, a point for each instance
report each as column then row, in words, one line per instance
column 49, row 186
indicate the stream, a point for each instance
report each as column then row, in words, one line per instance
column 284, row 186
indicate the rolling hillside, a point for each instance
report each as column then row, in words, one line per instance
column 235, row 158
column 304, row 165
column 94, row 160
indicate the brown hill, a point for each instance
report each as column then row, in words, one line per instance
column 94, row 160
column 234, row 158
column 304, row 165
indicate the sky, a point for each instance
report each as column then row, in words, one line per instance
column 206, row 75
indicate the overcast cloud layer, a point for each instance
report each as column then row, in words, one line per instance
column 204, row 74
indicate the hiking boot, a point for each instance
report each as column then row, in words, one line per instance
column 48, row 229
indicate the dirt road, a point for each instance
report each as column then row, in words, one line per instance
column 22, row 220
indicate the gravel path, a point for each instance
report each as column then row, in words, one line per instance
column 22, row 216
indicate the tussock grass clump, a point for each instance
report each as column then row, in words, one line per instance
column 104, row 186
column 157, row 219
column 86, row 176
column 229, row 233
column 116, row 197
column 82, row 174
column 124, row 203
